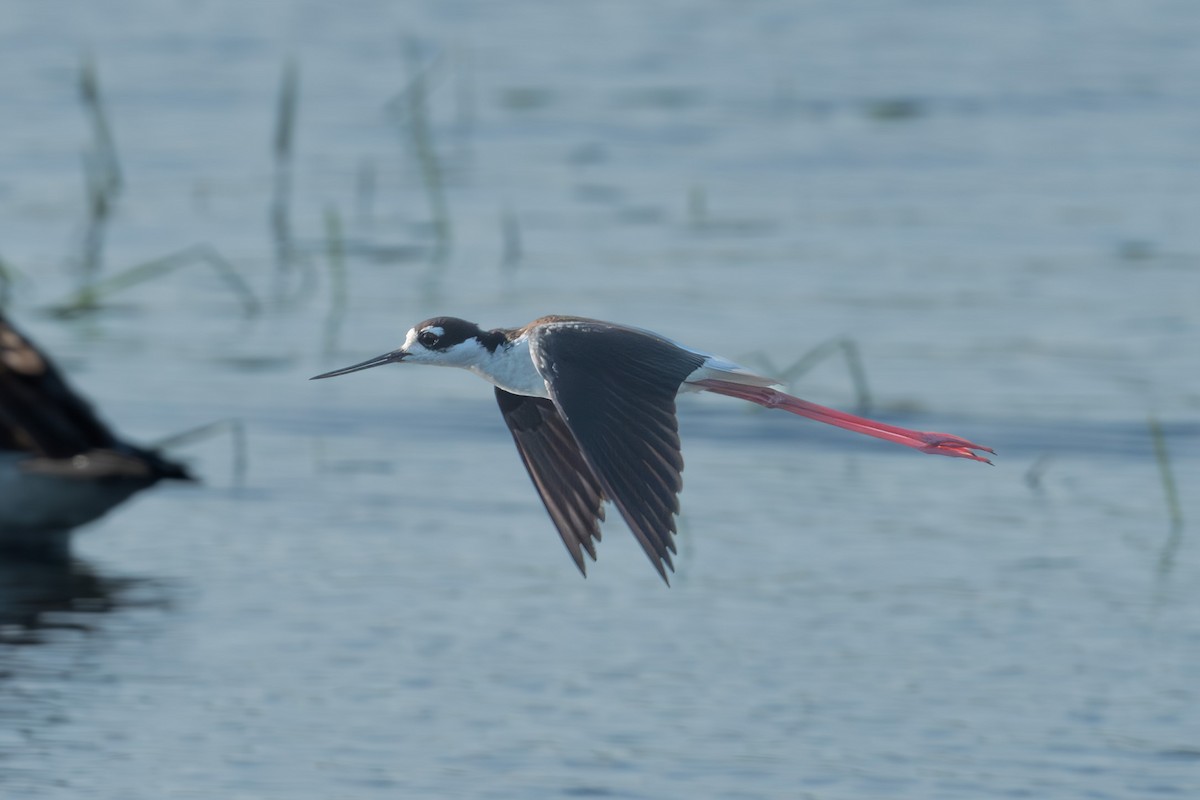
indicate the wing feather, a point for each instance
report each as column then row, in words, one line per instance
column 615, row 388
column 570, row 491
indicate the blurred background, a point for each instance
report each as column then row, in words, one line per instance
column 983, row 215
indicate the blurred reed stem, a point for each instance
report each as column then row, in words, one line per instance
column 364, row 192
column 282, row 149
column 464, row 105
column 847, row 347
column 1174, row 510
column 105, row 148
column 510, row 230
column 101, row 173
column 1033, row 475
column 237, row 432
column 88, row 298
column 420, row 137
column 336, row 251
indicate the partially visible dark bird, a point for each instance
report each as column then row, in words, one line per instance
column 60, row 465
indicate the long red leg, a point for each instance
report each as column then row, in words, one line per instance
column 942, row 444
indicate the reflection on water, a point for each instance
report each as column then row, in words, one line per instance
column 41, row 595
column 55, row 615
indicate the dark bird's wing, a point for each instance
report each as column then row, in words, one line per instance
column 572, row 494
column 616, row 387
column 39, row 413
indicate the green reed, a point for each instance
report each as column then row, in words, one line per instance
column 89, row 297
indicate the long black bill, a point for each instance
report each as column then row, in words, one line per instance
column 377, row 361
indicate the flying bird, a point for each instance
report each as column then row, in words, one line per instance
column 591, row 408
column 60, row 465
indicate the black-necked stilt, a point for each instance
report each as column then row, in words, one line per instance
column 591, row 407
column 60, row 465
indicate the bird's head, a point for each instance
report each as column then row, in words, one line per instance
column 440, row 341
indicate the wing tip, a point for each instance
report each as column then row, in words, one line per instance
column 662, row 573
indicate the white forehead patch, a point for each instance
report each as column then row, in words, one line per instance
column 414, row 333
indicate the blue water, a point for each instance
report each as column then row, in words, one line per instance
column 995, row 202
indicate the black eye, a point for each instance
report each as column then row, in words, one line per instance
column 427, row 338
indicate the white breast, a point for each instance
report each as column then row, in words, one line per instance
column 511, row 368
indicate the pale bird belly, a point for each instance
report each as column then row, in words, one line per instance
column 514, row 372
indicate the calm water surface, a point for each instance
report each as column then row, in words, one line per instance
column 996, row 203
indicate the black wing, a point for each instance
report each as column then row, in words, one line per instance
column 39, row 413
column 616, row 388
column 564, row 480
